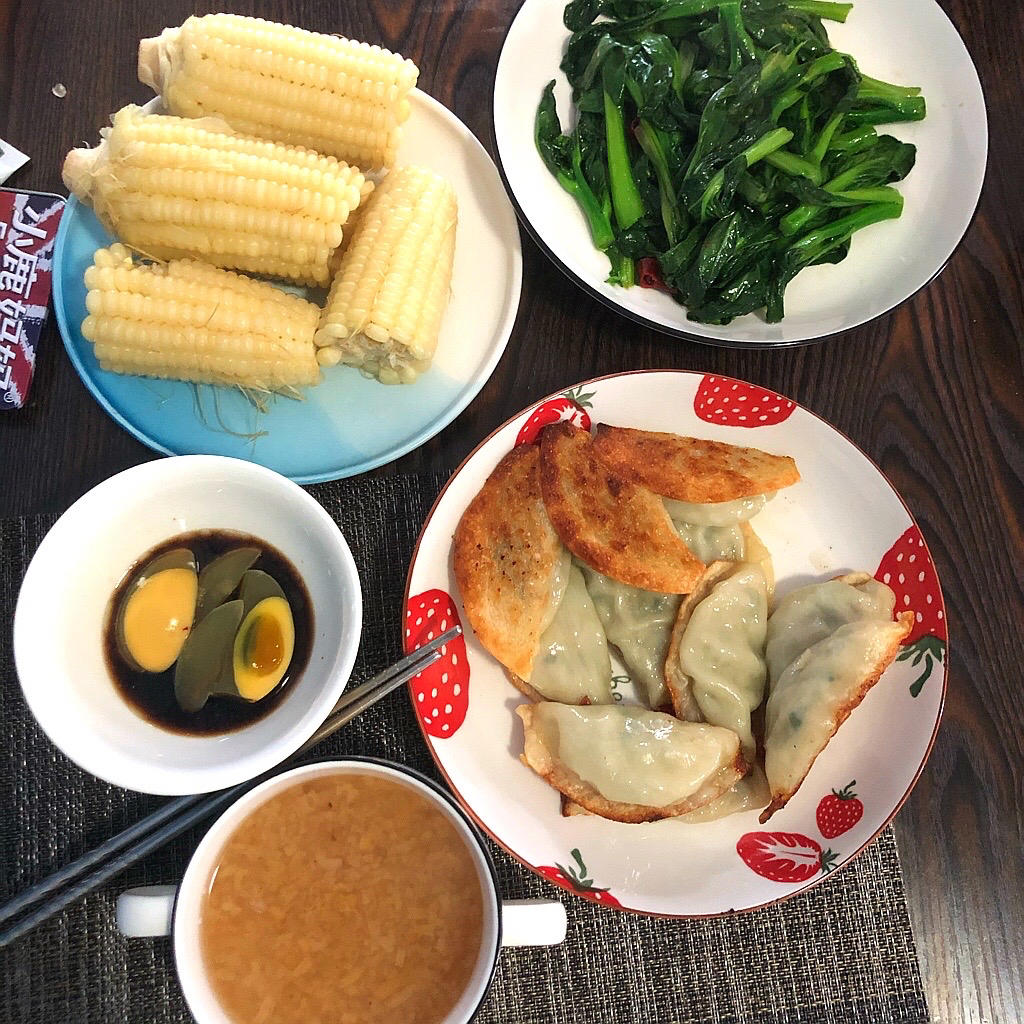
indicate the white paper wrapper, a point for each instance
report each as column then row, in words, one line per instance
column 10, row 160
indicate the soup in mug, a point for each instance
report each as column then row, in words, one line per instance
column 343, row 899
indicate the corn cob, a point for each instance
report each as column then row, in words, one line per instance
column 190, row 321
column 175, row 188
column 384, row 310
column 324, row 92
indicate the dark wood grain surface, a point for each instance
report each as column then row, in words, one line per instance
column 933, row 392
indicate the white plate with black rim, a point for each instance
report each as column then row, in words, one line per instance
column 843, row 515
column 910, row 42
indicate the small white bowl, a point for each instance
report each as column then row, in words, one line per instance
column 58, row 623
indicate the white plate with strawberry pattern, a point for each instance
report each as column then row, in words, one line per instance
column 842, row 516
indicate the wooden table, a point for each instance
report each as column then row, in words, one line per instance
column 932, row 392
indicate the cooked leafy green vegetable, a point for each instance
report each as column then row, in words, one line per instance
column 721, row 146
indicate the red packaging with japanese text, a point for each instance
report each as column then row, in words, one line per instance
column 28, row 229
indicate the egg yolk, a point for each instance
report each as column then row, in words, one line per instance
column 264, row 646
column 158, row 617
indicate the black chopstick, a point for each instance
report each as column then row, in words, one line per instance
column 157, row 829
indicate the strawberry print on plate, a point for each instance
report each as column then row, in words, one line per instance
column 574, row 878
column 441, row 692
column 784, row 856
column 735, row 403
column 842, row 516
column 571, row 406
column 839, row 811
column 907, row 568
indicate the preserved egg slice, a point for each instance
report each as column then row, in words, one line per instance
column 204, row 666
column 256, row 586
column 219, row 579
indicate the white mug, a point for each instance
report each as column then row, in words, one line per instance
column 165, row 910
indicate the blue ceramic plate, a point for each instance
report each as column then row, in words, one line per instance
column 347, row 424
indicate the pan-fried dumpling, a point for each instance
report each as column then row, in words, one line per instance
column 612, row 524
column 751, row 793
column 721, row 513
column 728, row 544
column 629, row 764
column 572, row 664
column 510, row 566
column 692, row 469
column 638, row 623
column 840, row 638
column 809, row 614
column 715, row 669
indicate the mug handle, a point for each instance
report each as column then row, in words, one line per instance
column 532, row 923
column 148, row 911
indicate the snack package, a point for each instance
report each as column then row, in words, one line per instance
column 28, row 229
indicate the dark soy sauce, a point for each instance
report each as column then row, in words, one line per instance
column 151, row 694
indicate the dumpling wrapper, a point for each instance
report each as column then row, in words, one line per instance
column 712, row 543
column 715, row 668
column 738, row 543
column 755, row 552
column 572, row 665
column 692, row 469
column 811, row 613
column 751, row 793
column 628, row 764
column 510, row 566
column 639, row 624
column 811, row 696
column 613, row 525
column 721, row 513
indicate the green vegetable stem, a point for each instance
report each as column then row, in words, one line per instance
column 626, row 201
column 563, row 159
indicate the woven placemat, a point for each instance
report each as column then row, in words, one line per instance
column 842, row 953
